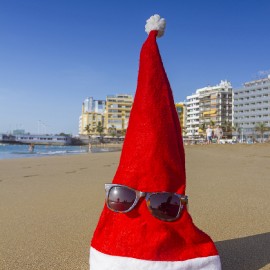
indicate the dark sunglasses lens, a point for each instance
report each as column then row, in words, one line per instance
column 164, row 206
column 121, row 198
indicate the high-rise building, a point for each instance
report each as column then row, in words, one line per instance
column 88, row 105
column 193, row 115
column 117, row 113
column 92, row 105
column 92, row 114
column 211, row 105
column 251, row 105
column 113, row 114
column 216, row 106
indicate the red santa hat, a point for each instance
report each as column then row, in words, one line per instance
column 152, row 160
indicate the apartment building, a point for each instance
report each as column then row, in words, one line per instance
column 251, row 105
column 193, row 115
column 93, row 105
column 92, row 114
column 216, row 106
column 113, row 114
column 211, row 105
column 117, row 113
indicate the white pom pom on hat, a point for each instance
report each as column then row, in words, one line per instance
column 155, row 23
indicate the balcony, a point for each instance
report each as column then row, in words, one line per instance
column 252, row 100
column 193, row 106
column 253, row 119
column 193, row 117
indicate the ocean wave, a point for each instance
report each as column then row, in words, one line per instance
column 62, row 152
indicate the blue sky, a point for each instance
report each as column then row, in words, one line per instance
column 55, row 53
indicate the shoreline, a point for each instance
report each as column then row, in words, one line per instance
column 50, row 206
column 22, row 151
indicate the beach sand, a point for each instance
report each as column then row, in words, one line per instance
column 49, row 207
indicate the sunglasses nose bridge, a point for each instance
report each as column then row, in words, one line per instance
column 142, row 194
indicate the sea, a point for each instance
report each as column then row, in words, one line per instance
column 11, row 151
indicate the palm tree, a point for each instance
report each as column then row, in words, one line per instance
column 100, row 130
column 261, row 128
column 89, row 130
column 203, row 128
column 112, row 130
column 212, row 123
column 236, row 128
column 227, row 126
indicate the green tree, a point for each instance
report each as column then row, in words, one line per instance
column 203, row 128
column 89, row 130
column 261, row 128
column 100, row 128
column 64, row 134
column 112, row 130
column 212, row 123
column 227, row 126
column 236, row 128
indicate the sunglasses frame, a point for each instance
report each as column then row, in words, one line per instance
column 183, row 199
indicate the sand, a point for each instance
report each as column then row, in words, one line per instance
column 49, row 207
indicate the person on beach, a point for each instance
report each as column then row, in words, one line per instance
column 31, row 148
column 209, row 133
column 90, row 148
column 218, row 133
column 145, row 223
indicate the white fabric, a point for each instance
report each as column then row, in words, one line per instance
column 155, row 23
column 101, row 261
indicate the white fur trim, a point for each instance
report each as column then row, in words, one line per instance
column 101, row 261
column 155, row 23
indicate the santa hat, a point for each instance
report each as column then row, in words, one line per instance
column 152, row 160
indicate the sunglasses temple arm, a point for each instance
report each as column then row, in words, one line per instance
column 184, row 201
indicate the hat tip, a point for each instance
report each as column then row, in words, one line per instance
column 157, row 23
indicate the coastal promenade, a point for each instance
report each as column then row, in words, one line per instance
column 49, row 206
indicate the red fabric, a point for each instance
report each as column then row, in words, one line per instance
column 152, row 159
column 138, row 234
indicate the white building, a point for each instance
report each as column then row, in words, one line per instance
column 251, row 105
column 92, row 113
column 216, row 106
column 113, row 114
column 92, row 105
column 193, row 115
column 211, row 105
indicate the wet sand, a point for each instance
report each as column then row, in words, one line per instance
column 49, row 207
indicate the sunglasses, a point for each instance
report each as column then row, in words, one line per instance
column 162, row 205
